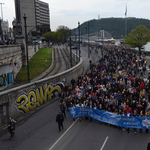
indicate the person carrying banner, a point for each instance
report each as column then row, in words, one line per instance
column 134, row 114
column 147, row 115
column 128, row 114
column 80, row 105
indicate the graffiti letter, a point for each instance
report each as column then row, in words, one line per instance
column 31, row 100
column 21, row 103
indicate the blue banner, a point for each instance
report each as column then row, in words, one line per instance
column 108, row 117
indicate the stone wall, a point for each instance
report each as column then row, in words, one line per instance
column 11, row 55
column 12, row 58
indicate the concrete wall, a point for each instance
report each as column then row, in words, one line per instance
column 32, row 49
column 23, row 99
column 12, row 58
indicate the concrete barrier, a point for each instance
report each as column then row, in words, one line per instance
column 28, row 97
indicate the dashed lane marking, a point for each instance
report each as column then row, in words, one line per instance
column 104, row 143
column 63, row 135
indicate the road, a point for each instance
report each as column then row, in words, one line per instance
column 40, row 132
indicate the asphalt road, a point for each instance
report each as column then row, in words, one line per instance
column 40, row 132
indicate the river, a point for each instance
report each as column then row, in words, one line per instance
column 146, row 47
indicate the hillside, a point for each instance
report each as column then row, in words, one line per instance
column 115, row 26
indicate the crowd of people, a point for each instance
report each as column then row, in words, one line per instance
column 116, row 83
column 8, row 42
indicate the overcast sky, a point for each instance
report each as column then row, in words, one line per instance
column 69, row 12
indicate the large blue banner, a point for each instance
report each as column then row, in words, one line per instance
column 108, row 117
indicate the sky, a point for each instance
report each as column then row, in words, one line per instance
column 70, row 12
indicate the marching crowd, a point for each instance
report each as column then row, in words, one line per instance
column 116, row 83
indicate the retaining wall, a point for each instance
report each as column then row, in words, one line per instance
column 12, row 58
column 28, row 97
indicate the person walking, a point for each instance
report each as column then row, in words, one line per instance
column 73, row 82
column 63, row 108
column 11, row 127
column 59, row 120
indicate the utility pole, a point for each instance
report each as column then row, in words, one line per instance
column 79, row 39
column 126, row 26
column 126, row 21
column 2, row 22
column 88, row 42
column 70, row 53
column 26, row 39
column 76, row 45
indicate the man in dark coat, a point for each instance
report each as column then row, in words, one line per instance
column 73, row 83
column 148, row 146
column 59, row 120
column 11, row 127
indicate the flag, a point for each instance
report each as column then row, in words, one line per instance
column 126, row 11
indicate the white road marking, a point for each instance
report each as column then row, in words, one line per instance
column 63, row 134
column 104, row 143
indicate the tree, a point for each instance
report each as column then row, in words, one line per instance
column 49, row 36
column 138, row 37
column 64, row 33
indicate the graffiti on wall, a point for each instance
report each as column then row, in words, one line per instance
column 6, row 80
column 38, row 96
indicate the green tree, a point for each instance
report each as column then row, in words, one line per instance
column 63, row 32
column 138, row 37
column 49, row 36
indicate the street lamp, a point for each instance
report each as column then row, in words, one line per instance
column 88, row 42
column 70, row 51
column 26, row 40
column 2, row 21
column 79, row 39
column 76, row 44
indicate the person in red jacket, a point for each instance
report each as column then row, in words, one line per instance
column 128, row 109
column 142, row 86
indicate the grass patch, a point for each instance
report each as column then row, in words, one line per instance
column 39, row 63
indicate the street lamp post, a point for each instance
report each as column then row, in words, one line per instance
column 26, row 40
column 76, row 44
column 2, row 21
column 70, row 53
column 88, row 42
column 79, row 39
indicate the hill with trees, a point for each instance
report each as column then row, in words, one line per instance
column 115, row 26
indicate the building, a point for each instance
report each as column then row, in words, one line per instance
column 5, row 29
column 42, row 14
column 38, row 18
